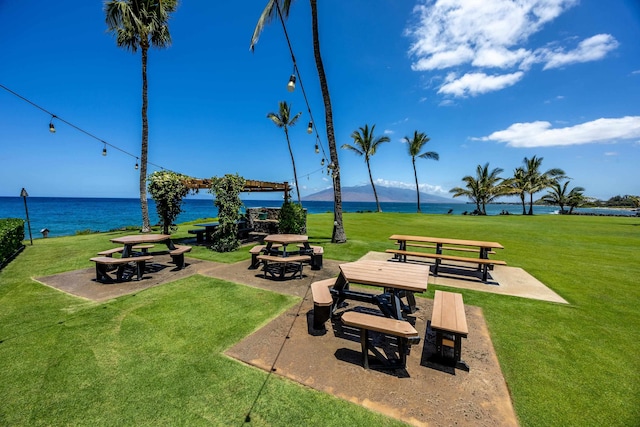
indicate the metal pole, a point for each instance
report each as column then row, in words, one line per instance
column 24, row 195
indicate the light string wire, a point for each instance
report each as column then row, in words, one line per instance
column 297, row 71
column 56, row 117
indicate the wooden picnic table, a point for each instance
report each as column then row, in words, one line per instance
column 484, row 248
column 284, row 240
column 397, row 279
column 136, row 239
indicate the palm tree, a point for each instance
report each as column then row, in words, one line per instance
column 269, row 13
column 283, row 120
column 519, row 186
column 415, row 144
column 576, row 198
column 484, row 188
column 141, row 24
column 537, row 181
column 557, row 195
column 366, row 145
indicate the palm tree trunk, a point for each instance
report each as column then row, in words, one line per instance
column 146, row 226
column 375, row 193
column 338, row 235
column 530, row 203
column 293, row 162
column 415, row 174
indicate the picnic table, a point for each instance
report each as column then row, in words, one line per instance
column 275, row 252
column 482, row 248
column 130, row 241
column 397, row 281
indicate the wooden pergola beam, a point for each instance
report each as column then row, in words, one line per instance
column 249, row 185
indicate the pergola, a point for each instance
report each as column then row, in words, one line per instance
column 249, row 186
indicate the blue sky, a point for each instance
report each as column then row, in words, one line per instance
column 488, row 81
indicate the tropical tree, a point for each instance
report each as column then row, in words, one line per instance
column 283, row 120
column 536, row 180
column 365, row 144
column 272, row 9
column 576, row 198
column 519, row 185
column 141, row 24
column 415, row 144
column 484, row 188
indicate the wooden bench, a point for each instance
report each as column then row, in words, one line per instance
column 482, row 263
column 144, row 249
column 104, row 263
column 448, row 248
column 322, row 301
column 177, row 255
column 316, row 256
column 283, row 262
column 199, row 232
column 405, row 333
column 257, row 250
column 449, row 322
column 110, row 252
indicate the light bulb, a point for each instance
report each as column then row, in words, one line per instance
column 291, row 86
column 104, row 151
column 310, row 129
column 52, row 128
column 317, row 149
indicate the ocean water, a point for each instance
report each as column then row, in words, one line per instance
column 67, row 216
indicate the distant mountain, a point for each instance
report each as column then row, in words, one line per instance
column 364, row 193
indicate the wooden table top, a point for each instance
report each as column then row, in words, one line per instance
column 208, row 225
column 141, row 238
column 286, row 239
column 446, row 241
column 449, row 320
column 398, row 275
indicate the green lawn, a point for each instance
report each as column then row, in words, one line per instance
column 156, row 357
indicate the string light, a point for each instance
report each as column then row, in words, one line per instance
column 322, row 162
column 291, row 86
column 317, row 149
column 52, row 128
column 310, row 130
column 136, row 166
column 296, row 71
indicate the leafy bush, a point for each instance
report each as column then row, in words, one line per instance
column 292, row 219
column 11, row 237
column 227, row 193
column 167, row 189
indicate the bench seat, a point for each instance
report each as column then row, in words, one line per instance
column 449, row 322
column 110, row 252
column 405, row 333
column 144, row 249
column 481, row 262
column 104, row 263
column 316, row 256
column 199, row 232
column 322, row 301
column 177, row 255
column 447, row 248
column 296, row 260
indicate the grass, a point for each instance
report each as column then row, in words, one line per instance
column 156, row 357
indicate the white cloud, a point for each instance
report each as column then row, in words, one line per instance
column 424, row 188
column 540, row 133
column 611, row 153
column 389, row 132
column 477, row 83
column 470, row 36
column 590, row 49
column 635, row 72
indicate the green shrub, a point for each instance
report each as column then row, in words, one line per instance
column 11, row 237
column 293, row 219
column 227, row 192
column 167, row 189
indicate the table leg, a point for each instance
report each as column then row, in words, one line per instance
column 126, row 252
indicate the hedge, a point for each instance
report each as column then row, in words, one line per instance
column 11, row 237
